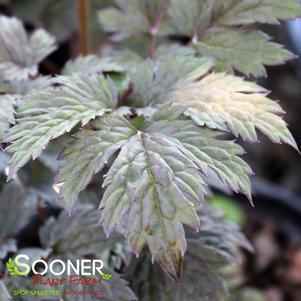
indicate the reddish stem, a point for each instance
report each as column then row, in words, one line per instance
column 83, row 12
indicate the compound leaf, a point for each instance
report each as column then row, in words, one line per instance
column 214, row 28
column 230, row 47
column 157, row 187
column 214, row 247
column 203, row 147
column 20, row 53
column 48, row 114
column 229, row 103
column 89, row 153
column 152, row 80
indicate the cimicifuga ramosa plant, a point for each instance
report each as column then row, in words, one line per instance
column 152, row 125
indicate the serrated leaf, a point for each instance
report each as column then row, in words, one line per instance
column 196, row 16
column 215, row 246
column 20, row 53
column 91, row 64
column 154, row 183
column 89, row 154
column 152, row 80
column 244, row 50
column 214, row 28
column 227, row 102
column 244, row 12
column 203, row 147
column 149, row 181
column 48, row 114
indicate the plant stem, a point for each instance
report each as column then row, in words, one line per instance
column 83, row 11
column 154, row 34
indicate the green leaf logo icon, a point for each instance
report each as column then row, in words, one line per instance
column 105, row 276
column 12, row 270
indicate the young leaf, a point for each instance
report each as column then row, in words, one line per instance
column 244, row 12
column 227, row 102
column 48, row 114
column 20, row 53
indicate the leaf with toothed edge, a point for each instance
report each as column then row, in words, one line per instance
column 20, row 53
column 153, row 80
column 91, row 64
column 89, row 153
column 222, row 29
column 156, row 187
column 244, row 50
column 202, row 145
column 214, row 247
column 154, row 184
column 229, row 103
column 49, row 114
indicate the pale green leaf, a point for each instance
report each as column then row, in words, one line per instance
column 91, row 64
column 195, row 17
column 227, row 102
column 19, row 52
column 48, row 114
column 203, row 147
column 215, row 30
column 241, row 12
column 244, row 50
column 152, row 80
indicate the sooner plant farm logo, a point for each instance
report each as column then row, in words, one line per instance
column 82, row 267
column 58, row 277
